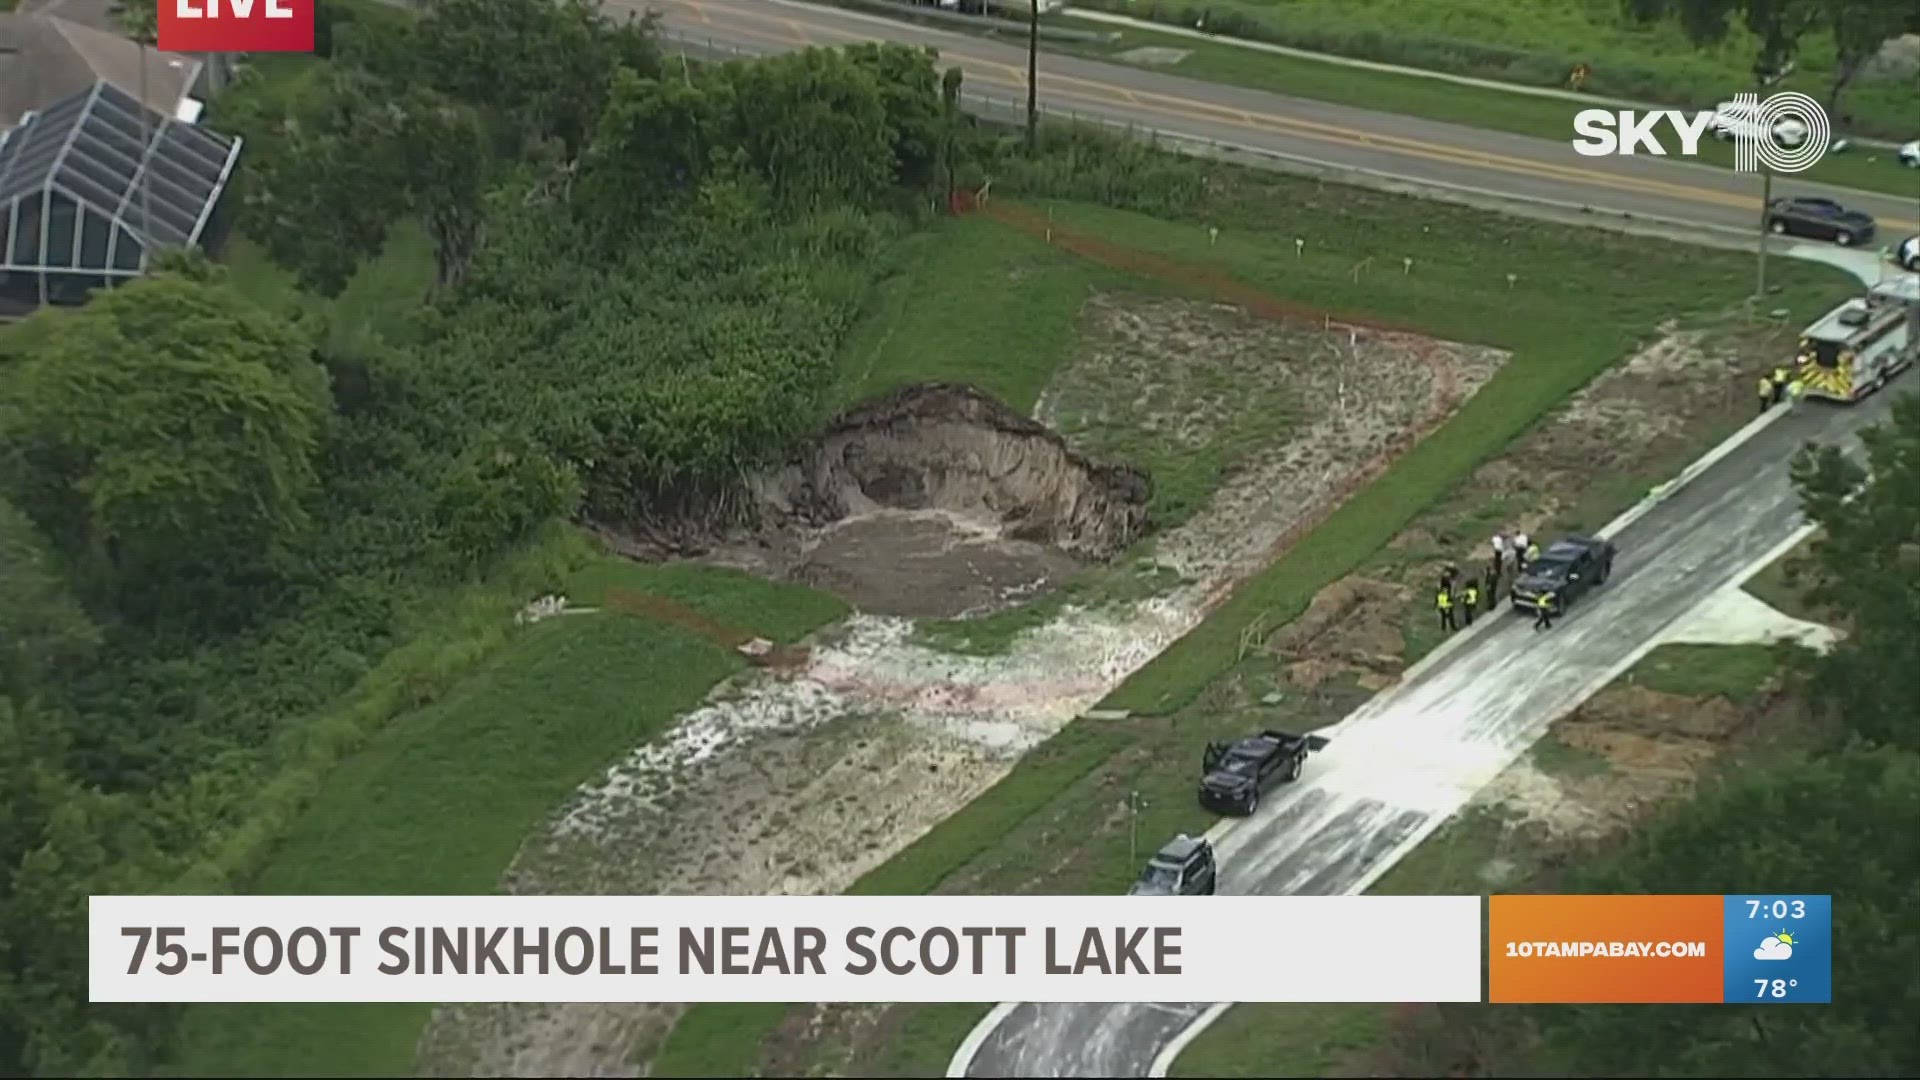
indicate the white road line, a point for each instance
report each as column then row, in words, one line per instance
column 963, row 1057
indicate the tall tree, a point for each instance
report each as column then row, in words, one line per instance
column 1867, row 562
column 43, row 629
column 654, row 145
column 814, row 123
column 909, row 81
column 1858, row 28
column 536, row 69
column 331, row 170
column 326, row 173
column 165, row 436
column 443, row 149
column 1809, row 827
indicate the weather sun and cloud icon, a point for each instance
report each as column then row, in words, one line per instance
column 1776, row 947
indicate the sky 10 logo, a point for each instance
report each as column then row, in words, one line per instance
column 234, row 26
column 1785, row 133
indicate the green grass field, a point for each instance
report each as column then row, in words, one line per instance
column 1784, row 583
column 1537, row 45
column 1735, row 672
column 968, row 300
column 1565, row 321
column 442, row 799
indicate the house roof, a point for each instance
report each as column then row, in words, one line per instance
column 149, row 179
column 45, row 58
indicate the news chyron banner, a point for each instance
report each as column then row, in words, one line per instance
column 1750, row 949
column 784, row 948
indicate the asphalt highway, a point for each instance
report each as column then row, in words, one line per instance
column 1496, row 164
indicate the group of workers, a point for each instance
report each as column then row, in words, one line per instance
column 1775, row 386
column 1457, row 602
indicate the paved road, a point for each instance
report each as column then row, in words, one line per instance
column 1407, row 760
column 1420, row 151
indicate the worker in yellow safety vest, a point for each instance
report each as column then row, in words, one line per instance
column 1543, row 612
column 1470, row 599
column 1533, row 554
column 1781, row 377
column 1444, row 601
column 1766, row 392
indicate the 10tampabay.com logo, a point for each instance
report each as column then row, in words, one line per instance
column 231, row 26
column 1785, row 132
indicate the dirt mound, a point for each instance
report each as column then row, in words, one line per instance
column 1353, row 624
column 1639, row 747
column 1636, row 711
column 950, row 448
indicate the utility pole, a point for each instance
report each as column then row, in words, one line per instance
column 1766, row 205
column 146, row 166
column 1135, row 804
column 1033, row 75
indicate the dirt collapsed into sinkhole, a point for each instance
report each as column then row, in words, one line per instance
column 937, row 501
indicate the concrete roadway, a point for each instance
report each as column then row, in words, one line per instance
column 1414, row 755
column 1419, row 152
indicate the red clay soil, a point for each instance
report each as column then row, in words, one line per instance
column 1261, row 304
column 674, row 613
column 1227, row 288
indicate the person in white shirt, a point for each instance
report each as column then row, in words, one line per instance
column 1499, row 562
column 1520, row 544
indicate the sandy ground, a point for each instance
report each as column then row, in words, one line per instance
column 1657, row 404
column 800, row 783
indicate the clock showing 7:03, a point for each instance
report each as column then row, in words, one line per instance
column 1779, row 949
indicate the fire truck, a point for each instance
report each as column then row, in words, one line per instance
column 1855, row 348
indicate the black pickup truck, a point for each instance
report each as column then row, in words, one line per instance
column 1234, row 773
column 1565, row 572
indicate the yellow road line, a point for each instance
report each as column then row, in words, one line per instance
column 1176, row 107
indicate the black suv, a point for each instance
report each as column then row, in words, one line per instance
column 1819, row 219
column 1566, row 571
column 1184, row 867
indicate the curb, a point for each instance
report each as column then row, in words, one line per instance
column 962, row 1058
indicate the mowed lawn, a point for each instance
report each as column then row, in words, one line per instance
column 443, row 798
column 969, row 300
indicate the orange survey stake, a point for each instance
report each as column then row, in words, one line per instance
column 1602, row 949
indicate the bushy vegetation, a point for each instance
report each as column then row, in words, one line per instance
column 223, row 505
